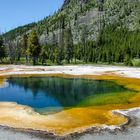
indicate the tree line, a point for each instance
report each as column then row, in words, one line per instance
column 30, row 49
column 112, row 45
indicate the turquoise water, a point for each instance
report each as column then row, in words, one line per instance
column 53, row 93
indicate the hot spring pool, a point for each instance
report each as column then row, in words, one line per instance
column 55, row 93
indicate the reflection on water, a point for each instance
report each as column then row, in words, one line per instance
column 54, row 92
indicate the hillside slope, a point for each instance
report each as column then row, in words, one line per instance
column 96, row 29
column 85, row 14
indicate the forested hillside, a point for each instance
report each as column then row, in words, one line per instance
column 82, row 31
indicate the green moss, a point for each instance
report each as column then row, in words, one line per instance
column 105, row 99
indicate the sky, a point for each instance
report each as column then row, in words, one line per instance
column 14, row 13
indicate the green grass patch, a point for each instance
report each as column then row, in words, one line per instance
column 136, row 62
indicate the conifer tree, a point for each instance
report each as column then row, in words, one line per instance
column 2, row 49
column 25, row 46
column 34, row 47
column 68, row 45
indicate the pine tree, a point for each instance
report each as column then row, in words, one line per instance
column 34, row 47
column 68, row 45
column 25, row 46
column 84, row 43
column 60, row 52
column 2, row 49
column 43, row 55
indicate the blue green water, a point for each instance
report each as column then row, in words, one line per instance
column 54, row 92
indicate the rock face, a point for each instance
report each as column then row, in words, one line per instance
column 66, row 2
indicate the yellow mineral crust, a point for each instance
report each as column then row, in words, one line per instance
column 62, row 123
column 1, row 82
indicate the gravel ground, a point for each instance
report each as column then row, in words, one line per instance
column 131, row 134
column 13, row 135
